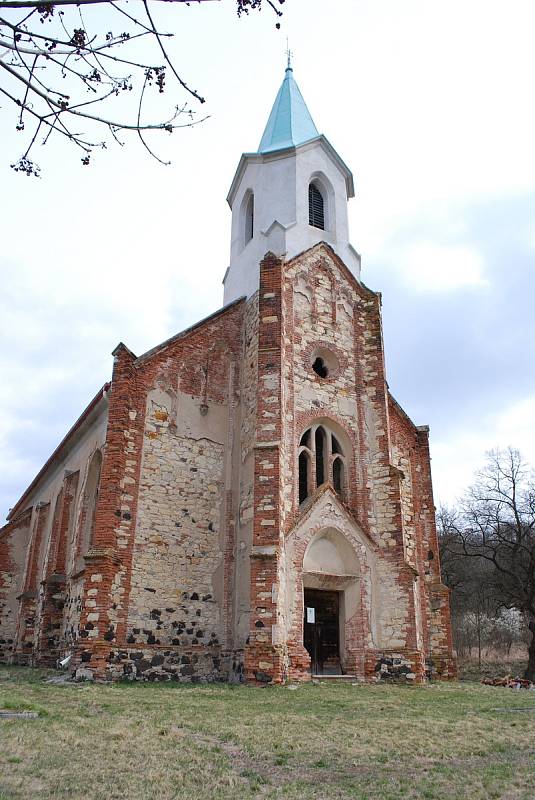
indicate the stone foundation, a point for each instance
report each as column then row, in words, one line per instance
column 397, row 667
column 196, row 665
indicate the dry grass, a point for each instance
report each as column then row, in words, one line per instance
column 493, row 665
column 134, row 741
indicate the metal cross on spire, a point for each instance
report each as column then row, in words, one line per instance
column 289, row 55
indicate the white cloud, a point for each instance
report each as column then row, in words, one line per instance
column 429, row 267
column 133, row 251
column 455, row 460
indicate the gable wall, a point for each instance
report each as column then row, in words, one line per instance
column 326, row 309
column 174, row 593
column 323, row 307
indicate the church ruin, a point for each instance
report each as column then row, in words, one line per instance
column 245, row 501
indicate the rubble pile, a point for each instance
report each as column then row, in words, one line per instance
column 509, row 682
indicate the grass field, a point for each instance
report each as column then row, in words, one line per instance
column 164, row 741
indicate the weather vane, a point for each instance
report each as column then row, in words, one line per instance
column 289, row 54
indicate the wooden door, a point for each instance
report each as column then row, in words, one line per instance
column 321, row 628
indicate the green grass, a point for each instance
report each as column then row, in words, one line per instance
column 172, row 742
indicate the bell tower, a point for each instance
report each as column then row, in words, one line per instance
column 287, row 196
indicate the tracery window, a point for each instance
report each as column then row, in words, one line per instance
column 321, row 459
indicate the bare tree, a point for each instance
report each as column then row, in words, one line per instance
column 472, row 597
column 68, row 67
column 495, row 525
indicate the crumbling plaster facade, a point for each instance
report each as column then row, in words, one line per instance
column 199, row 547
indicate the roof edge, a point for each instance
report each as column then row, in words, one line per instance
column 121, row 347
column 360, row 285
column 418, row 429
column 14, row 522
column 145, row 356
column 311, row 503
column 284, row 151
column 97, row 399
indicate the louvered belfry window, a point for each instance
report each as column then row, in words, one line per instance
column 316, row 216
column 249, row 219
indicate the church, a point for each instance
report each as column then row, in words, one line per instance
column 246, row 501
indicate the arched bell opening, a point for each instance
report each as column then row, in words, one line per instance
column 321, row 202
column 247, row 221
column 316, row 207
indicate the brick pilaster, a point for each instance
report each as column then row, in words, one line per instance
column 26, row 646
column 262, row 659
column 14, row 542
column 442, row 662
column 108, row 561
column 54, row 578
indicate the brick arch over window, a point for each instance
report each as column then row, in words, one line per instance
column 88, row 508
column 322, row 458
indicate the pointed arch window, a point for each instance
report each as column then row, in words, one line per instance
column 88, row 508
column 304, row 475
column 249, row 218
column 316, row 209
column 338, row 475
column 321, row 459
column 320, row 442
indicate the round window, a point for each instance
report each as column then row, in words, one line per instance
column 324, row 362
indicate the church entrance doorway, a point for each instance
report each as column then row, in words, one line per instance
column 321, row 628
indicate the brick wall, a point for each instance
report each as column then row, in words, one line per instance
column 160, row 575
column 14, row 540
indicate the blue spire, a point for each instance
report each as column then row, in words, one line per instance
column 289, row 123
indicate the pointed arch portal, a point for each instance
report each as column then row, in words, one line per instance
column 330, row 596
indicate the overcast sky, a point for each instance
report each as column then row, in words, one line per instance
column 429, row 103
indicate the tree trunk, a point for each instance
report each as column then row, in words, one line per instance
column 478, row 619
column 530, row 671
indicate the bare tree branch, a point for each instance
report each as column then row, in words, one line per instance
column 53, row 53
column 39, row 4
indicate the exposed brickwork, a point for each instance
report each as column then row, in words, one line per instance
column 52, row 592
column 411, row 455
column 14, row 542
column 29, row 622
column 263, row 660
column 191, row 560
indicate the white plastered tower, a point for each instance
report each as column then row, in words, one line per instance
column 269, row 195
